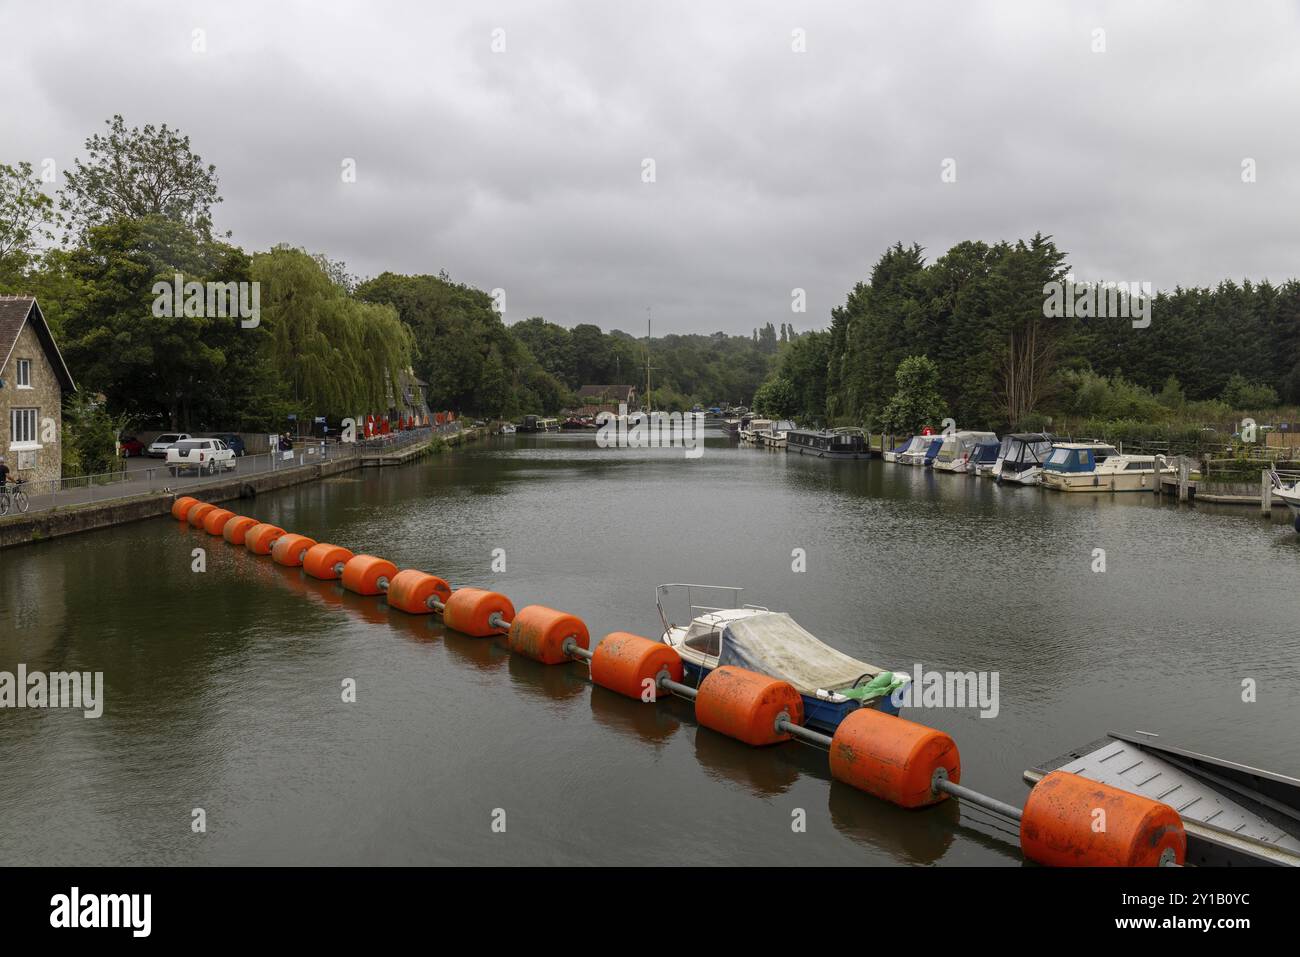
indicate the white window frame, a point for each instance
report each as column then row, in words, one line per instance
column 24, row 365
column 16, row 444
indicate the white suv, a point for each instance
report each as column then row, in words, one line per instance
column 202, row 455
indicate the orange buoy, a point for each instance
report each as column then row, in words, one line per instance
column 893, row 758
column 1070, row 821
column 236, row 528
column 181, row 507
column 630, row 664
column 368, row 575
column 471, row 610
column 411, row 591
column 215, row 521
column 198, row 512
column 291, row 549
column 260, row 538
column 540, row 633
column 325, row 561
column 744, row 705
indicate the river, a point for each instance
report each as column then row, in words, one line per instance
column 222, row 688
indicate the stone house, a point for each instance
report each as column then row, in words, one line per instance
column 33, row 381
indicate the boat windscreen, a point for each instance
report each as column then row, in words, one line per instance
column 773, row 643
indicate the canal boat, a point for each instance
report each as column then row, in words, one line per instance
column 832, row 684
column 1097, row 467
column 1021, row 459
column 956, row 450
column 843, row 443
column 537, row 423
column 1234, row 815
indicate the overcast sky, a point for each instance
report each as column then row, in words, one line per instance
column 774, row 169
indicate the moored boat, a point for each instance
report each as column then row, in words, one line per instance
column 891, row 455
column 842, row 443
column 1022, row 457
column 957, row 448
column 831, row 683
column 1097, row 467
column 749, row 432
column 917, row 449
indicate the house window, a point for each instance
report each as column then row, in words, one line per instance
column 22, row 428
column 24, row 373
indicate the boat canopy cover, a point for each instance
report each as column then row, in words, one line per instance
column 772, row 643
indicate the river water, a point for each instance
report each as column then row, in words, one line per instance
column 223, row 689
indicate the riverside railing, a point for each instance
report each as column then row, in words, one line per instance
column 140, row 477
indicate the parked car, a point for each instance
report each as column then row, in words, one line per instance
column 159, row 446
column 234, row 441
column 202, row 455
column 130, row 446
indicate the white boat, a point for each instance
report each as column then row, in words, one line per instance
column 831, row 683
column 891, row 455
column 1288, row 493
column 1022, row 457
column 508, row 429
column 1097, row 467
column 749, row 433
column 776, row 436
column 916, row 450
column 957, row 449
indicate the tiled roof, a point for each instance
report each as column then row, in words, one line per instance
column 14, row 313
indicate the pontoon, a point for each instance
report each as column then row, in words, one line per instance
column 831, row 683
column 1233, row 815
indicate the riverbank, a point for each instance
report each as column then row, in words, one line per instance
column 61, row 521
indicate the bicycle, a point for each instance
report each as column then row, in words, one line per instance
column 13, row 494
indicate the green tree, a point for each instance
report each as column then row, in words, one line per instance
column 916, row 402
column 139, row 173
column 26, row 217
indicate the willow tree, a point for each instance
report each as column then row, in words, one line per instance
column 337, row 355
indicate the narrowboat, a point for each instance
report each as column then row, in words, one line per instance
column 956, row 450
column 1022, row 457
column 1097, row 467
column 832, row 684
column 828, row 443
column 537, row 423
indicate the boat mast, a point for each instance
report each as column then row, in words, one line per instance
column 647, row 359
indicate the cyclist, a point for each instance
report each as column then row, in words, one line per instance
column 4, row 473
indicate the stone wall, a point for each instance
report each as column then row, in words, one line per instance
column 46, row 397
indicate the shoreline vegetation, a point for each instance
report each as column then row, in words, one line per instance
column 966, row 336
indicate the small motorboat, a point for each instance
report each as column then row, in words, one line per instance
column 1288, row 493
column 1022, row 457
column 508, row 428
column 831, row 683
column 891, row 455
column 916, row 450
column 984, row 457
column 749, row 432
column 957, row 448
column 1097, row 467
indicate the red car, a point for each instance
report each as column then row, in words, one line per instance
column 130, row 446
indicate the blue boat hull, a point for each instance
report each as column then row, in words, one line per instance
column 818, row 714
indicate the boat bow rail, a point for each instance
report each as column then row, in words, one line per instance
column 685, row 592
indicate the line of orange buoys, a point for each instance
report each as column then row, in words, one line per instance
column 900, row 761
